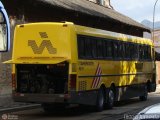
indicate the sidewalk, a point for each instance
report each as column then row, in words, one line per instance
column 7, row 103
column 5, row 95
column 6, row 100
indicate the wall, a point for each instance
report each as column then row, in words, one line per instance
column 157, row 39
column 157, row 46
column 105, row 3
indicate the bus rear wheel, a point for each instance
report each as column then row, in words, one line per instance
column 100, row 100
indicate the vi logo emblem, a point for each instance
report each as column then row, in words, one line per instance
column 44, row 44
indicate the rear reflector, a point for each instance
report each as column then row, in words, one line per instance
column 13, row 82
column 73, row 78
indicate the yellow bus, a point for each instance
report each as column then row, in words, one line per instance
column 64, row 63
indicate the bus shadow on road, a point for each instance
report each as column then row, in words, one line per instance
column 127, row 102
column 72, row 111
column 127, row 107
column 77, row 110
column 83, row 110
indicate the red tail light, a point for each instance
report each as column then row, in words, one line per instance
column 13, row 82
column 73, row 78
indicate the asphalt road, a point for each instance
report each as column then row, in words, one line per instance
column 119, row 112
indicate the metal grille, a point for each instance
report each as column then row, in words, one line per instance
column 82, row 85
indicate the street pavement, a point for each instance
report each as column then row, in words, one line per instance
column 5, row 95
column 123, row 110
column 6, row 101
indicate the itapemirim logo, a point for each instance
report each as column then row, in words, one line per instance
column 44, row 44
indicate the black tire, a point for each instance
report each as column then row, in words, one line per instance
column 110, row 99
column 100, row 101
column 145, row 95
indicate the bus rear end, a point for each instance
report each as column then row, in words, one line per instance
column 41, row 60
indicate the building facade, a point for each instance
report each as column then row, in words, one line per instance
column 105, row 3
column 157, row 39
column 157, row 48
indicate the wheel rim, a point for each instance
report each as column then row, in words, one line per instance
column 111, row 97
column 101, row 100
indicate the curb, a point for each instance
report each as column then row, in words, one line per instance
column 19, row 108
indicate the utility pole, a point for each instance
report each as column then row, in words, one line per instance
column 154, row 9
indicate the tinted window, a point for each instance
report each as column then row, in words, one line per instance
column 94, row 48
column 88, row 47
column 81, row 47
column 100, row 48
column 103, row 48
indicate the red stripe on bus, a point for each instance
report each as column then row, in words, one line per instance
column 97, row 77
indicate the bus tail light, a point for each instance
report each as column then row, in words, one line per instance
column 73, row 78
column 13, row 82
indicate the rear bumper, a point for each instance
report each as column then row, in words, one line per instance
column 40, row 98
column 87, row 97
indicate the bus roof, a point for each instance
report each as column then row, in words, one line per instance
column 83, row 30
column 111, row 35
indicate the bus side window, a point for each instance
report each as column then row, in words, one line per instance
column 121, row 50
column 132, row 51
column 127, row 49
column 140, row 52
column 136, row 51
column 149, row 53
column 81, row 47
column 88, row 47
column 109, row 49
column 143, row 53
column 100, row 48
column 105, row 49
column 146, row 56
column 94, row 48
column 115, row 49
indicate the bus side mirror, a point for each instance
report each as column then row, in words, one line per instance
column 157, row 56
column 4, row 30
